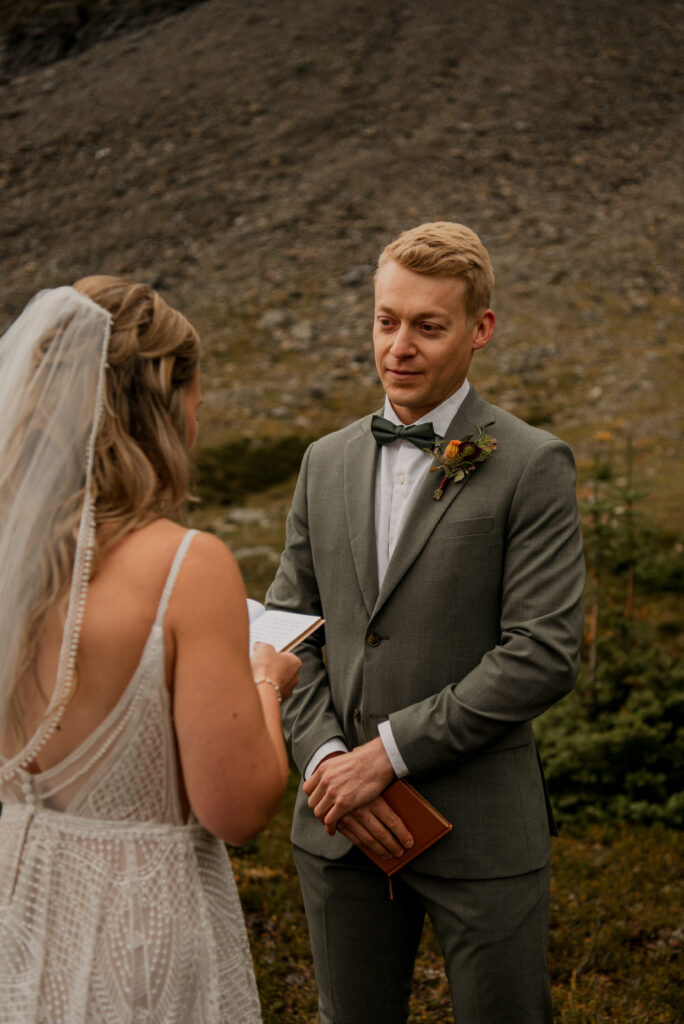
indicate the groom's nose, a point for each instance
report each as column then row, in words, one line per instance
column 403, row 343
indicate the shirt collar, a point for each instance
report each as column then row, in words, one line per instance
column 441, row 416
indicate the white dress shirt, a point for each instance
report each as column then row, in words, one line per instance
column 400, row 470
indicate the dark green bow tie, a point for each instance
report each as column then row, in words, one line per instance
column 422, row 435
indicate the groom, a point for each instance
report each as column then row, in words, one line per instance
column 450, row 624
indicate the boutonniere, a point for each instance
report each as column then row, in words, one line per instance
column 458, row 458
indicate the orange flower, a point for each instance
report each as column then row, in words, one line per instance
column 451, row 450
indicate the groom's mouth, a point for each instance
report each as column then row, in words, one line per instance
column 401, row 374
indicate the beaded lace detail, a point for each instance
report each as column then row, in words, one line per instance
column 112, row 908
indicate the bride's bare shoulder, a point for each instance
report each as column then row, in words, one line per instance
column 148, row 552
column 208, row 585
column 161, row 536
column 208, row 562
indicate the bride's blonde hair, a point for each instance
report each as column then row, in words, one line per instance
column 140, row 460
column 141, row 467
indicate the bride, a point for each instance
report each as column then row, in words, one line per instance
column 133, row 738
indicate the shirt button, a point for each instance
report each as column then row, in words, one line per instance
column 401, row 480
column 373, row 640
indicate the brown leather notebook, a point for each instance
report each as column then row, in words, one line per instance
column 423, row 821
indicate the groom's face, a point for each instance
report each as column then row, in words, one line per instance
column 423, row 340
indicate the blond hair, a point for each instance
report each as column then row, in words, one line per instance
column 141, row 464
column 444, row 249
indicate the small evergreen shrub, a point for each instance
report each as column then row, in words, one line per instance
column 613, row 749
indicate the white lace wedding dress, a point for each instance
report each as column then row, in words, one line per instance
column 112, row 909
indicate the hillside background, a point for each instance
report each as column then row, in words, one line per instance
column 250, row 160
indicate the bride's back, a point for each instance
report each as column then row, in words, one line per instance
column 91, row 465
column 122, row 602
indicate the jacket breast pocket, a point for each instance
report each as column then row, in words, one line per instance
column 465, row 527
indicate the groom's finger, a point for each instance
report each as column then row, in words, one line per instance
column 367, row 830
column 320, row 802
column 325, row 801
column 358, row 835
column 310, row 785
column 371, row 832
column 391, row 820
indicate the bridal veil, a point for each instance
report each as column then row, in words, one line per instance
column 52, row 367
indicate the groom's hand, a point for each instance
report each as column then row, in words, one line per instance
column 378, row 827
column 349, row 786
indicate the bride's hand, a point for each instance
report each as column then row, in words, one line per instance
column 282, row 668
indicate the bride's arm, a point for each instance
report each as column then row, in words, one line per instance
column 232, row 752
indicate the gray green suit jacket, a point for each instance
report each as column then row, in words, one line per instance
column 475, row 630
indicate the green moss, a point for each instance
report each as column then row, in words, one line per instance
column 230, row 471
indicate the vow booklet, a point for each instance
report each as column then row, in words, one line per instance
column 423, row 821
column 282, row 629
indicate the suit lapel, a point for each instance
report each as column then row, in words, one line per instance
column 426, row 513
column 360, row 457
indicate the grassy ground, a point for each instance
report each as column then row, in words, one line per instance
column 616, row 929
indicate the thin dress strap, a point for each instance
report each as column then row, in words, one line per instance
column 173, row 573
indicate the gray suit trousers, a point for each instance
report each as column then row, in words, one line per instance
column 493, row 934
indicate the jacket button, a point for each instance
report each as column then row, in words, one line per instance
column 372, row 639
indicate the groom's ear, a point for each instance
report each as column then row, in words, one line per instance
column 483, row 328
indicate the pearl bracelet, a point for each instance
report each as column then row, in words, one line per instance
column 275, row 686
